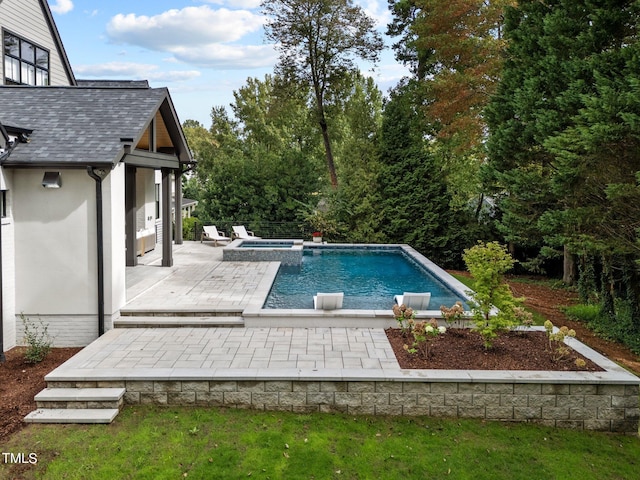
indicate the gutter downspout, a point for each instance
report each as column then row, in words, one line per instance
column 98, row 175
column 3, row 359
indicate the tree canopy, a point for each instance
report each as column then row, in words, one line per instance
column 519, row 123
column 319, row 42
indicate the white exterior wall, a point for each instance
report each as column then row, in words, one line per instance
column 26, row 19
column 158, row 221
column 145, row 199
column 55, row 254
column 8, row 269
column 114, row 244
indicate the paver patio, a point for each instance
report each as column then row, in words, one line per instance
column 198, row 280
column 311, row 369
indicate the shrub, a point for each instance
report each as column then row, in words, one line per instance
column 423, row 334
column 37, row 339
column 405, row 318
column 488, row 263
column 557, row 346
column 189, row 228
column 619, row 327
column 452, row 315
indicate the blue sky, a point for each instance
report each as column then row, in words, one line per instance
column 202, row 50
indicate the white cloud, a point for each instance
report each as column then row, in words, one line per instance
column 388, row 75
column 134, row 71
column 250, row 4
column 191, row 26
column 379, row 13
column 222, row 56
column 62, row 6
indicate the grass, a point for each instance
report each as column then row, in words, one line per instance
column 587, row 314
column 169, row 443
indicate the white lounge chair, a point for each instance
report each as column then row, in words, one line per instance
column 414, row 300
column 240, row 232
column 210, row 232
column 328, row 301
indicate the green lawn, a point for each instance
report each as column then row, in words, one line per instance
column 171, row 443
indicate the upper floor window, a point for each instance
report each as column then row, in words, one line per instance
column 24, row 62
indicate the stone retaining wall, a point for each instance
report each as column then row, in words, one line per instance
column 604, row 407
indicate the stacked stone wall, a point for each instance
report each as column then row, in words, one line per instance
column 603, row 407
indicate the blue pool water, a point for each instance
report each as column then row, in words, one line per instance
column 369, row 279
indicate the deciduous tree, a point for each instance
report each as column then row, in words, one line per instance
column 319, row 41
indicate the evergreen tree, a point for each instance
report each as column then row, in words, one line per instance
column 414, row 199
column 564, row 142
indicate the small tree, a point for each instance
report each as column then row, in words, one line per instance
column 488, row 263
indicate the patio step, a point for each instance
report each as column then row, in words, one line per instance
column 183, row 312
column 178, row 321
column 72, row 415
column 80, row 398
column 77, row 405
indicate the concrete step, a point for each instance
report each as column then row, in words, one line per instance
column 177, row 322
column 72, row 415
column 80, row 398
column 183, row 312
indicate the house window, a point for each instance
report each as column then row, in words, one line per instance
column 3, row 203
column 24, row 62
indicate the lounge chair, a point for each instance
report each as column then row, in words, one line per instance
column 328, row 301
column 240, row 232
column 413, row 300
column 210, row 232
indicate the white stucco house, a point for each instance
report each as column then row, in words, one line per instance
column 88, row 169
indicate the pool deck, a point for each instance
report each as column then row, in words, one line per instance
column 201, row 282
column 198, row 281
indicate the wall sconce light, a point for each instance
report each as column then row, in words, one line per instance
column 52, row 180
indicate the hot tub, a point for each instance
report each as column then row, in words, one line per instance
column 288, row 252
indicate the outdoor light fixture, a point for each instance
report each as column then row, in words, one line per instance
column 52, row 180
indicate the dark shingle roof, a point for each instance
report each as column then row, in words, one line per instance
column 77, row 126
column 114, row 83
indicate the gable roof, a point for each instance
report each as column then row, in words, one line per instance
column 33, row 21
column 79, row 126
column 58, row 41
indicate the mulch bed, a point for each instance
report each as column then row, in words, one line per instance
column 463, row 349
column 20, row 382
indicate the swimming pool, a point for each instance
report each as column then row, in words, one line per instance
column 368, row 276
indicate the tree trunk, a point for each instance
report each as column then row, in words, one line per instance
column 325, row 130
column 327, row 148
column 568, row 268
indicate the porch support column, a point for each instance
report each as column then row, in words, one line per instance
column 178, row 190
column 130, row 216
column 167, row 237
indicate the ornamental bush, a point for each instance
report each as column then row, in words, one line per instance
column 37, row 339
column 494, row 308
